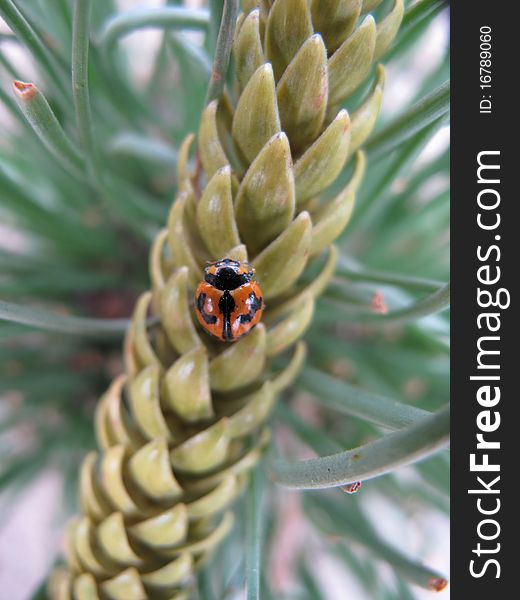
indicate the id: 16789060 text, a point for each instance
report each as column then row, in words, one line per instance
column 485, row 70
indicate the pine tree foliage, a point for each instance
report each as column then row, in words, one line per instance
column 271, row 175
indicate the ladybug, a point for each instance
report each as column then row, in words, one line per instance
column 228, row 304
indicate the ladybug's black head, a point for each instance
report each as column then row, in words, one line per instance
column 227, row 274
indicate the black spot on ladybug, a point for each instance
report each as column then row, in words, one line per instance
column 226, row 305
column 255, row 304
column 209, row 319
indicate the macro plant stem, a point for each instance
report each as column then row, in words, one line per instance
column 376, row 458
column 143, row 148
column 216, row 8
column 107, row 187
column 423, row 113
column 254, row 534
column 217, row 147
column 411, row 570
column 320, row 441
column 432, row 304
column 260, row 179
column 363, row 275
column 205, row 587
column 42, row 119
column 5, row 62
column 342, row 397
column 122, row 24
column 23, row 30
column 165, row 17
column 415, row 21
column 10, row 104
column 420, row 11
column 354, row 526
column 222, row 51
column 49, row 321
column 80, row 91
column 369, row 215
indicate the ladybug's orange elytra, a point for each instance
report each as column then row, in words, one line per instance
column 228, row 303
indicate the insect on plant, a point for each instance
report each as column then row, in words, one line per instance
column 223, row 299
